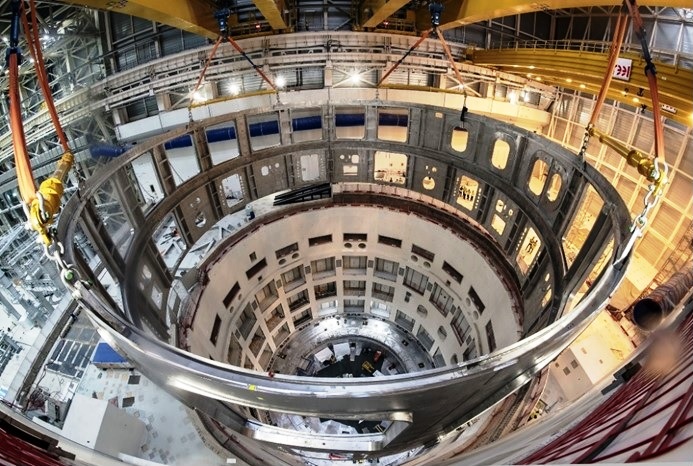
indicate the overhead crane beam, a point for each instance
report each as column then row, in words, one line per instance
column 196, row 16
column 383, row 9
column 570, row 69
column 458, row 13
column 272, row 11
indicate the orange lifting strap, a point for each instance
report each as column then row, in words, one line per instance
column 646, row 166
column 43, row 205
column 222, row 16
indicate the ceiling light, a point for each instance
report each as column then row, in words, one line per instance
column 355, row 77
column 538, row 78
column 281, row 81
column 568, row 80
column 235, row 89
column 531, row 67
column 529, row 75
column 197, row 97
column 582, row 86
column 636, row 100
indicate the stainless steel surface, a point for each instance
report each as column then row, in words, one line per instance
column 649, row 312
column 438, row 400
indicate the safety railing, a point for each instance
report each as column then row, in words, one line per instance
column 675, row 58
column 205, row 383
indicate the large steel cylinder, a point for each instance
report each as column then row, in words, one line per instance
column 649, row 311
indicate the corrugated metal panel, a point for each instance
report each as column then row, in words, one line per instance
column 171, row 42
column 687, row 160
column 145, row 52
column 140, row 24
column 667, row 219
column 559, row 129
column 126, row 59
column 192, row 41
column 687, row 39
column 612, row 157
column 622, row 126
column 563, row 109
column 252, row 82
column 313, row 78
column 644, row 135
column 142, row 108
column 673, row 140
column 577, row 131
column 151, row 105
column 666, row 35
column 650, row 248
column 121, row 25
column 584, row 110
column 626, row 188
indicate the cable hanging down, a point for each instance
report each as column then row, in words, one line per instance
column 43, row 204
column 653, row 169
column 222, row 17
column 435, row 8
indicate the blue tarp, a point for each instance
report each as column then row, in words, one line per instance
column 105, row 355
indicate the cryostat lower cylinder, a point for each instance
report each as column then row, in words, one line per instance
column 649, row 312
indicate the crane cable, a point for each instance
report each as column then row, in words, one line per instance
column 42, row 205
column 423, row 37
column 222, row 17
column 25, row 177
column 43, row 211
column 32, row 35
column 435, row 8
column 650, row 73
column 619, row 34
column 654, row 169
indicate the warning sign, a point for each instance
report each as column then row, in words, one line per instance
column 623, row 68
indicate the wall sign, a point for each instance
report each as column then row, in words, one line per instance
column 623, row 68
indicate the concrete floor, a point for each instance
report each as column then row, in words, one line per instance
column 171, row 435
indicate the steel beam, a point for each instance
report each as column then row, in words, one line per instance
column 383, row 9
column 196, row 16
column 584, row 71
column 458, row 14
column 272, row 11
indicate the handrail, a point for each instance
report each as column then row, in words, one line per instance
column 666, row 56
column 205, row 383
column 138, row 82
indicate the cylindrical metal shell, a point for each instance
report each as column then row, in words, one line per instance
column 649, row 311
